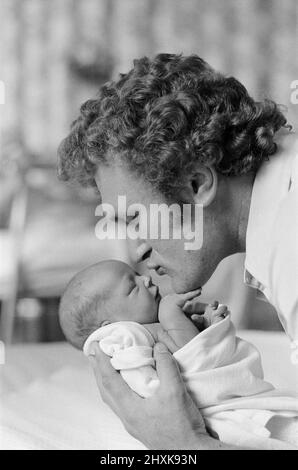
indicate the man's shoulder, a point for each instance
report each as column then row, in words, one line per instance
column 273, row 211
column 287, row 142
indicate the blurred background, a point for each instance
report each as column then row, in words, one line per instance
column 54, row 54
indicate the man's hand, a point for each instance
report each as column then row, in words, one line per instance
column 167, row 420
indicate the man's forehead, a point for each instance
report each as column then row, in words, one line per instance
column 113, row 182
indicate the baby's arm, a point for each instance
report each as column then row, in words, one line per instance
column 178, row 326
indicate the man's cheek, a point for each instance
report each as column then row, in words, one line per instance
column 169, row 249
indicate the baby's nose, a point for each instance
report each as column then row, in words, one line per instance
column 146, row 280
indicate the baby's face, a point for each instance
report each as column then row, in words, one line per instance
column 132, row 296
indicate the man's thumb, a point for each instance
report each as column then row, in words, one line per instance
column 166, row 367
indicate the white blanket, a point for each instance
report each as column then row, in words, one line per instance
column 222, row 372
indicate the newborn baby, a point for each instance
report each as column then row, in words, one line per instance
column 111, row 291
column 110, row 304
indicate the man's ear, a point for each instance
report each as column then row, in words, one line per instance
column 203, row 185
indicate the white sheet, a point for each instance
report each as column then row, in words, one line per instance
column 63, row 411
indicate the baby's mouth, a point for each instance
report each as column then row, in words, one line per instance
column 157, row 297
column 155, row 292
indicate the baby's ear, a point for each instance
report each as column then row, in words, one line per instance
column 106, row 322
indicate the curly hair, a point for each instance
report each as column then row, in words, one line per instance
column 166, row 115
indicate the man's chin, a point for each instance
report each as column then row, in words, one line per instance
column 180, row 286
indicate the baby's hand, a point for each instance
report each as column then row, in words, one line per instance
column 214, row 313
column 173, row 320
column 181, row 300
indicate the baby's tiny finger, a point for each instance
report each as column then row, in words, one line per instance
column 222, row 310
column 192, row 294
column 214, row 305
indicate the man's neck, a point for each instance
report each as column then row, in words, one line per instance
column 236, row 197
column 242, row 198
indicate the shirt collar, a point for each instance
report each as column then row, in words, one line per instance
column 270, row 186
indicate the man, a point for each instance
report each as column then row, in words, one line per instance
column 174, row 130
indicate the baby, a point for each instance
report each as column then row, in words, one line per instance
column 111, row 291
column 112, row 305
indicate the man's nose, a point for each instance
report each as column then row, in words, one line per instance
column 143, row 251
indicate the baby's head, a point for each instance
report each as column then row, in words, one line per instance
column 104, row 293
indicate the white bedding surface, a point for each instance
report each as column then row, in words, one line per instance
column 49, row 399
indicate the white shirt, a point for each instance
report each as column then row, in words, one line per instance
column 271, row 263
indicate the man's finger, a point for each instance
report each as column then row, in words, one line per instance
column 164, row 337
column 167, row 368
column 97, row 372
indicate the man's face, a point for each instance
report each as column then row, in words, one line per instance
column 188, row 269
